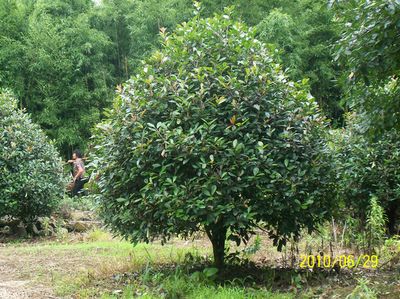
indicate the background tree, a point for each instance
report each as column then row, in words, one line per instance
column 367, row 169
column 370, row 50
column 113, row 17
column 31, row 174
column 13, row 27
column 211, row 134
column 68, row 83
column 303, row 32
column 250, row 12
column 147, row 19
column 64, row 59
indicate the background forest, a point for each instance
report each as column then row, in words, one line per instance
column 64, row 59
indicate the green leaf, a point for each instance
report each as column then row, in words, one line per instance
column 221, row 100
column 234, row 143
column 210, row 272
column 206, row 192
column 213, row 189
column 256, row 170
column 121, row 199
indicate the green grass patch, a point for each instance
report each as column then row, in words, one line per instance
column 102, row 267
column 179, row 283
column 184, row 289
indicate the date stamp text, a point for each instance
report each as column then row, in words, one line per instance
column 343, row 261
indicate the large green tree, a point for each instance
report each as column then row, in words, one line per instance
column 113, row 18
column 133, row 27
column 210, row 134
column 13, row 27
column 69, row 82
column 370, row 50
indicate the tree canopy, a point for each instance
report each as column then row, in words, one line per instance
column 31, row 173
column 211, row 134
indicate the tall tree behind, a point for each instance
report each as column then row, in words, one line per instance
column 63, row 78
column 369, row 48
column 13, row 27
column 251, row 12
column 133, row 27
column 304, row 32
column 111, row 17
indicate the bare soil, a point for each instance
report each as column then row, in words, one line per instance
column 15, row 283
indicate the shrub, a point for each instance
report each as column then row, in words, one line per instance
column 211, row 134
column 369, row 168
column 31, row 175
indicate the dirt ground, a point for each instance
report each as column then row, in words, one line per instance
column 16, row 284
column 26, row 272
column 30, row 274
column 29, row 271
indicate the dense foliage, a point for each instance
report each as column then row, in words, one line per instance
column 211, row 134
column 63, row 59
column 369, row 168
column 370, row 49
column 370, row 54
column 370, row 42
column 60, row 74
column 31, row 174
column 303, row 32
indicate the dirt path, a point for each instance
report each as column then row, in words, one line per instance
column 44, row 270
column 14, row 283
column 36, row 270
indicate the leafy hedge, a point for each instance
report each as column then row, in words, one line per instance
column 211, row 134
column 31, row 175
column 369, row 168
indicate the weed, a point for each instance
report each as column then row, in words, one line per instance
column 243, row 256
column 208, row 275
column 389, row 253
column 83, row 203
column 98, row 235
column 362, row 291
column 376, row 225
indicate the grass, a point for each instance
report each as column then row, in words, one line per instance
column 100, row 265
column 182, row 288
column 86, row 268
column 95, row 265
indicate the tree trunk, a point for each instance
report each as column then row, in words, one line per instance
column 217, row 236
column 391, row 212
